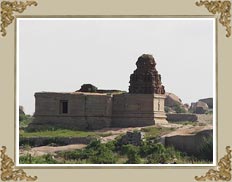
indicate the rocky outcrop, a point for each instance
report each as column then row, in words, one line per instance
column 174, row 103
column 199, row 107
column 186, row 106
column 134, row 138
column 208, row 101
column 189, row 140
column 93, row 89
column 87, row 88
column 171, row 100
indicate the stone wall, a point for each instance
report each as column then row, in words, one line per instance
column 91, row 111
column 48, row 104
column 179, row 117
column 85, row 111
column 69, row 122
column 133, row 110
column 60, row 141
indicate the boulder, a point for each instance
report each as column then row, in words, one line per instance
column 186, row 106
column 134, row 138
column 208, row 101
column 87, row 88
column 171, row 100
column 199, row 107
column 189, row 143
column 174, row 103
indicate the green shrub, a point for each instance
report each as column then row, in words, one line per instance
column 154, row 132
column 103, row 156
column 95, row 153
column 132, row 153
column 205, row 151
column 24, row 120
column 178, row 108
column 158, row 153
column 45, row 159
column 111, row 145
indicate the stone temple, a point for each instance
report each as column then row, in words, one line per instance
column 90, row 108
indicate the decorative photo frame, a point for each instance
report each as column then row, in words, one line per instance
column 220, row 10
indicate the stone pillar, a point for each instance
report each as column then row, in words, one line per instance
column 158, row 107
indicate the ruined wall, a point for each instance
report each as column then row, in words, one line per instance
column 179, row 117
column 85, row 111
column 59, row 141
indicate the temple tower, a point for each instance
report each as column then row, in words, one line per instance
column 144, row 104
column 146, row 79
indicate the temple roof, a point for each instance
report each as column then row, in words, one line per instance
column 146, row 79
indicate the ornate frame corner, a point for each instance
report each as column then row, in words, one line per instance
column 222, row 8
column 7, row 10
column 8, row 171
column 223, row 171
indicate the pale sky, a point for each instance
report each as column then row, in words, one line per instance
column 62, row 54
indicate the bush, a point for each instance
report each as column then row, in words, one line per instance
column 158, row 153
column 45, row 159
column 146, row 148
column 24, row 120
column 205, row 151
column 95, row 152
column 132, row 153
column 101, row 153
column 111, row 145
column 177, row 107
column 103, row 156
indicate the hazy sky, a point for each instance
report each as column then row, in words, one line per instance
column 61, row 54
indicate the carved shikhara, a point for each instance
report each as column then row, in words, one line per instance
column 7, row 10
column 224, row 169
column 7, row 169
column 221, row 7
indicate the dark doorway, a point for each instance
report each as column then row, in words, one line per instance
column 63, row 106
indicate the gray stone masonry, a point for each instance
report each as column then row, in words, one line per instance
column 91, row 111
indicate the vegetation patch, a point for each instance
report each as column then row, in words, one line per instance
column 45, row 159
column 58, row 133
column 24, row 120
column 111, row 153
column 154, row 132
column 114, row 152
column 205, row 151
